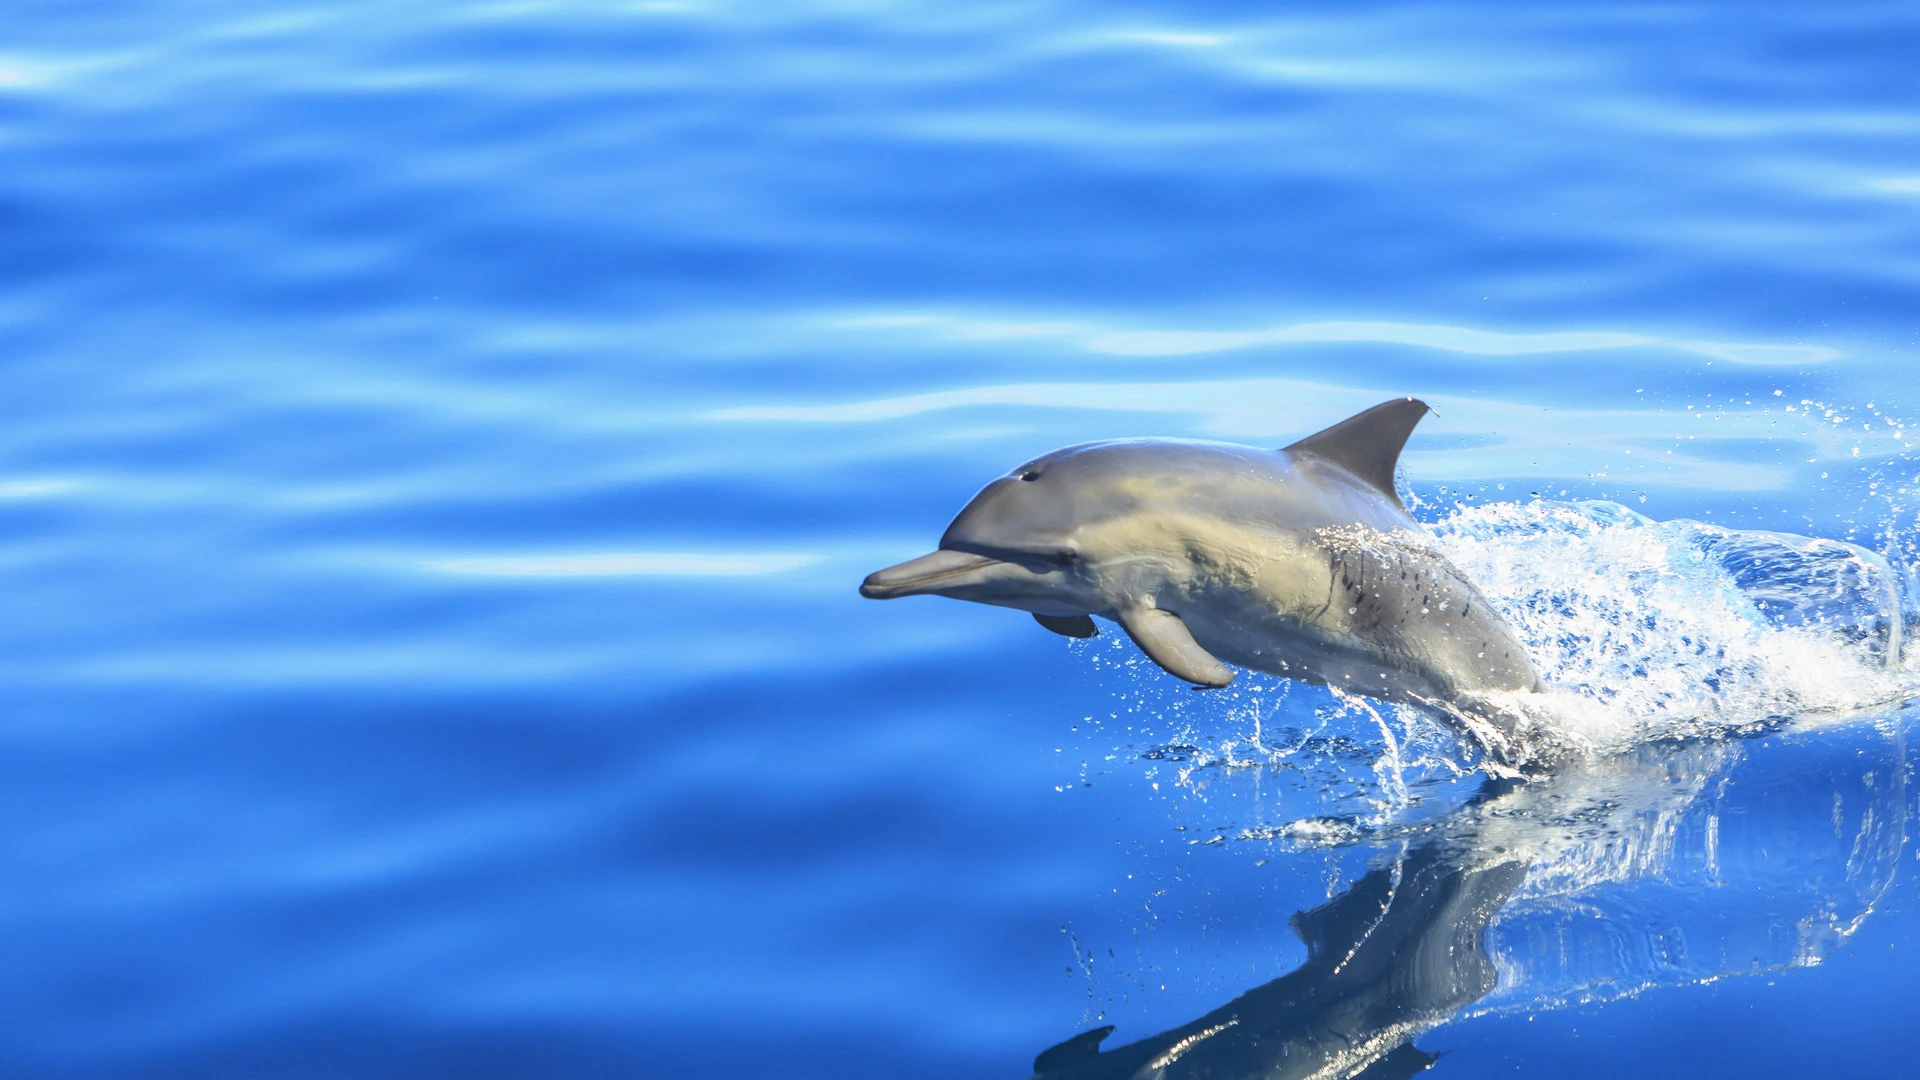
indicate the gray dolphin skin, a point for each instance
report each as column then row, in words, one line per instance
column 1300, row 562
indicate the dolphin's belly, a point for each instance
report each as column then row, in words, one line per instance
column 1296, row 655
column 1265, row 640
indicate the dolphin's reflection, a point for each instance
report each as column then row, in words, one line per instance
column 1608, row 878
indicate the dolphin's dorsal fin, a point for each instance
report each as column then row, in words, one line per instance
column 1073, row 1051
column 1335, row 929
column 1368, row 444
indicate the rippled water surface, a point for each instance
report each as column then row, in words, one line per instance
column 439, row 444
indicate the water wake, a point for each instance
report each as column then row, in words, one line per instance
column 1679, row 629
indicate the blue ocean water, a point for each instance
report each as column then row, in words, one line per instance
column 439, row 445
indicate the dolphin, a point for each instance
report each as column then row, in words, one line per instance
column 1301, row 562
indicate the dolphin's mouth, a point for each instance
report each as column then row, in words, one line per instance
column 928, row 573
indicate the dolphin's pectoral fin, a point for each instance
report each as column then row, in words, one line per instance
column 1167, row 642
column 1075, row 1050
column 1080, row 626
column 1403, row 1062
column 1368, row 444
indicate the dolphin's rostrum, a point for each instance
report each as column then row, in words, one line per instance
column 1301, row 562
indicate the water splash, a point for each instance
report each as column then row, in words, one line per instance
column 1681, row 629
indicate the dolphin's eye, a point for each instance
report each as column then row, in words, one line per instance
column 1066, row 557
column 1030, row 475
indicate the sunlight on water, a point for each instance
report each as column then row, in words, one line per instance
column 625, row 564
column 1478, row 342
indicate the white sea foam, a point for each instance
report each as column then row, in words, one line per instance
column 1650, row 629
